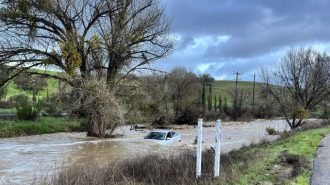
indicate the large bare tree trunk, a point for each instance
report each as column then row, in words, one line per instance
column 96, row 129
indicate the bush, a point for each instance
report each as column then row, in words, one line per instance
column 51, row 107
column 271, row 131
column 211, row 115
column 160, row 121
column 27, row 112
column 189, row 116
column 6, row 104
column 25, row 109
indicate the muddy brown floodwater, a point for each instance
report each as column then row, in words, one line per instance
column 23, row 159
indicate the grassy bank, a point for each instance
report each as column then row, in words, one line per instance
column 286, row 161
column 43, row 125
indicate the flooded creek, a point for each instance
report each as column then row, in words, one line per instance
column 22, row 159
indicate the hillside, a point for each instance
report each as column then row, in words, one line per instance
column 51, row 87
column 222, row 87
column 219, row 88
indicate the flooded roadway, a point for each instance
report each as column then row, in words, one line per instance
column 23, row 159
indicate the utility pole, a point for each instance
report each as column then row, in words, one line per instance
column 267, row 103
column 236, row 81
column 235, row 100
column 253, row 91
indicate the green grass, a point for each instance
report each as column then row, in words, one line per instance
column 43, row 125
column 7, row 110
column 302, row 144
column 222, row 88
column 52, row 86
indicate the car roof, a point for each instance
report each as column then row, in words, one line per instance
column 162, row 131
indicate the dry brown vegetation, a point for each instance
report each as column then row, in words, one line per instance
column 93, row 100
column 154, row 169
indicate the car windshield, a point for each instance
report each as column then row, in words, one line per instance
column 156, row 135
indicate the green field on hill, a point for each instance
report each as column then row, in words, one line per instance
column 223, row 87
column 52, row 87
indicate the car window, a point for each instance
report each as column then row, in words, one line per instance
column 156, row 135
column 173, row 134
column 169, row 135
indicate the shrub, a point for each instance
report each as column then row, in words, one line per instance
column 302, row 113
column 25, row 109
column 211, row 115
column 271, row 131
column 188, row 116
column 51, row 107
column 160, row 121
column 27, row 112
column 6, row 104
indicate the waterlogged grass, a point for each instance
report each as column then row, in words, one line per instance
column 249, row 165
column 43, row 125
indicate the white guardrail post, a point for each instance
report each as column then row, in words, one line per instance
column 217, row 149
column 199, row 149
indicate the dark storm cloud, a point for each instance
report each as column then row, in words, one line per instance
column 210, row 16
column 271, row 40
column 255, row 28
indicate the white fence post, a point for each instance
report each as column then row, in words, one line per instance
column 199, row 149
column 217, row 149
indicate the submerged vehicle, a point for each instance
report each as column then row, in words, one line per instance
column 164, row 136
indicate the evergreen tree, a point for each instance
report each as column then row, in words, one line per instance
column 215, row 104
column 203, row 97
column 220, row 104
column 210, row 98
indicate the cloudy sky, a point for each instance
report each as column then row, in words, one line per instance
column 220, row 37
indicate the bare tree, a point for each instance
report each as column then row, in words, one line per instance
column 324, row 105
column 3, row 86
column 83, row 38
column 150, row 100
column 299, row 83
column 3, row 91
column 30, row 83
column 185, row 95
